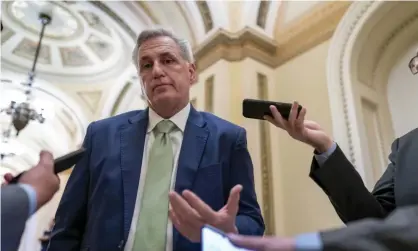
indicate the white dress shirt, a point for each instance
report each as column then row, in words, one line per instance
column 180, row 120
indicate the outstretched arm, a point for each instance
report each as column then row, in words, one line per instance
column 398, row 231
column 351, row 199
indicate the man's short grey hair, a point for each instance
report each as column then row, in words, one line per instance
column 185, row 48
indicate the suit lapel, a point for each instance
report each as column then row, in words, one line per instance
column 132, row 138
column 193, row 146
column 192, row 149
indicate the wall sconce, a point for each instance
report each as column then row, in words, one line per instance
column 413, row 64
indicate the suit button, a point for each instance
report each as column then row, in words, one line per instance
column 121, row 244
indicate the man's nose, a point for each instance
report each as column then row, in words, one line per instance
column 157, row 71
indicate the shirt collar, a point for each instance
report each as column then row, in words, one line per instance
column 179, row 119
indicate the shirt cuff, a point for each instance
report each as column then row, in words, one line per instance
column 30, row 191
column 321, row 158
column 308, row 242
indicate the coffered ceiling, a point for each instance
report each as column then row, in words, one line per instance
column 84, row 69
column 80, row 42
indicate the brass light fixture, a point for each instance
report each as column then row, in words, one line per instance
column 22, row 113
column 413, row 64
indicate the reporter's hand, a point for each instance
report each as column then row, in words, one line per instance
column 263, row 243
column 297, row 127
column 7, row 178
column 42, row 178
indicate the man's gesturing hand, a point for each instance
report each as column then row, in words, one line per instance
column 189, row 213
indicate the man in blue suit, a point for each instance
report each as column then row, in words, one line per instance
column 117, row 197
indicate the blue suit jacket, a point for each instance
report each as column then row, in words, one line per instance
column 96, row 208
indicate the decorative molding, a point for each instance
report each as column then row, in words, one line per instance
column 348, row 41
column 266, row 161
column 205, row 14
column 91, row 99
column 280, row 17
column 395, row 47
column 209, row 94
column 390, row 39
column 189, row 24
column 193, row 101
column 263, row 9
column 311, row 29
column 373, row 49
column 120, row 98
column 342, row 92
column 148, row 11
column 113, row 97
column 115, row 17
column 229, row 46
column 65, row 119
column 6, row 33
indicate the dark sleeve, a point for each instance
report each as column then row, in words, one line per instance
column 399, row 231
column 14, row 213
column 71, row 215
column 249, row 220
column 351, row 199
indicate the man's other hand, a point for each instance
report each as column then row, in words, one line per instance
column 42, row 178
column 189, row 213
column 270, row 243
column 306, row 131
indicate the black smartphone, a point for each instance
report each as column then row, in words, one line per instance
column 257, row 109
column 214, row 239
column 60, row 164
column 67, row 161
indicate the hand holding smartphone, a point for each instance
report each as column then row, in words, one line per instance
column 257, row 109
column 60, row 164
column 214, row 239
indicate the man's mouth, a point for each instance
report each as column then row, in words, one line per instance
column 160, row 85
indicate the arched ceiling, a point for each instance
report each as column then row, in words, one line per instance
column 190, row 19
column 81, row 41
column 91, row 41
column 86, row 49
column 86, row 57
column 62, row 131
column 387, row 40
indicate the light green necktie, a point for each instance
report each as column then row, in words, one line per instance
column 151, row 227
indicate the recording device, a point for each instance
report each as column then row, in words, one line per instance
column 257, row 109
column 67, row 161
column 60, row 164
column 214, row 239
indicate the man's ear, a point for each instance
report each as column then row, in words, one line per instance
column 193, row 73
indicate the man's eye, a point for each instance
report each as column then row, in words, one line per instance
column 168, row 61
column 146, row 66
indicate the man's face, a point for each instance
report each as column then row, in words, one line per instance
column 166, row 76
